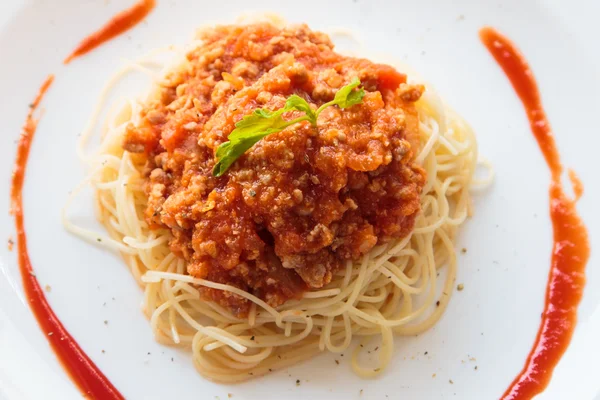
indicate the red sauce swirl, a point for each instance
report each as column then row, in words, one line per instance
column 570, row 251
column 82, row 370
column 120, row 23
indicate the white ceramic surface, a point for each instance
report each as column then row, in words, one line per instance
column 493, row 320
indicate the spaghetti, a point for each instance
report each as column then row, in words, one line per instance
column 392, row 290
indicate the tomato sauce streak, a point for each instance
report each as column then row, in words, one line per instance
column 576, row 184
column 571, row 249
column 120, row 23
column 81, row 369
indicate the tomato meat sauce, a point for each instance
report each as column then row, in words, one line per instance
column 301, row 202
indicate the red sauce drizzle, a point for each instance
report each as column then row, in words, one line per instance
column 78, row 365
column 571, row 249
column 120, row 23
column 576, row 184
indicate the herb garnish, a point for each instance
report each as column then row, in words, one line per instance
column 262, row 122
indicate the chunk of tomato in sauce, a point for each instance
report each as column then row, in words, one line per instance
column 389, row 78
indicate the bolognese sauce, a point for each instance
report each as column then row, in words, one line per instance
column 300, row 202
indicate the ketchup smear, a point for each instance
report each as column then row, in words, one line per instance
column 82, row 370
column 570, row 251
column 88, row 378
column 120, row 23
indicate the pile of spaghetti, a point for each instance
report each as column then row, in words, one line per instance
column 236, row 327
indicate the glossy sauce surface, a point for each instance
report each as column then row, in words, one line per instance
column 299, row 203
column 570, row 250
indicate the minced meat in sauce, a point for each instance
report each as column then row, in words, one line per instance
column 300, row 202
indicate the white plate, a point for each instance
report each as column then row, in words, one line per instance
column 494, row 319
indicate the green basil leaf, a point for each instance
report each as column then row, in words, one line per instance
column 347, row 96
column 259, row 120
column 295, row 102
column 233, row 151
column 263, row 122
